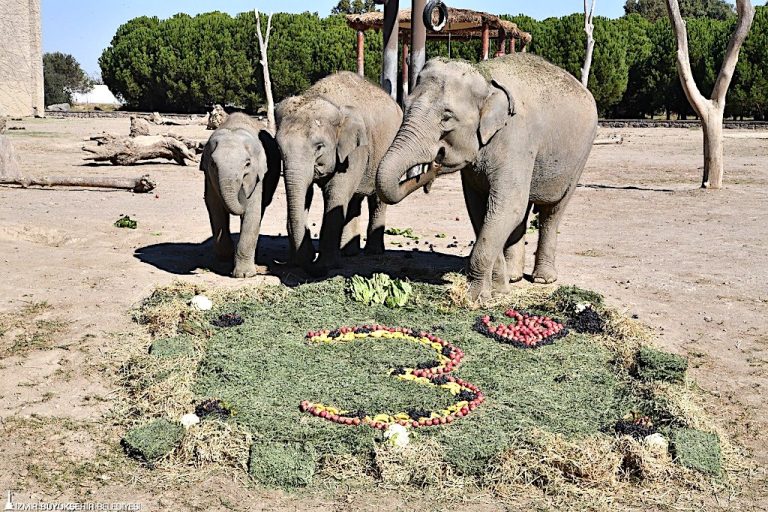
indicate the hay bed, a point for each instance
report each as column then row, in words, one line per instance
column 547, row 423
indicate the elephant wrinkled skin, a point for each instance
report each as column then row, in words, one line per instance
column 334, row 135
column 242, row 166
column 519, row 130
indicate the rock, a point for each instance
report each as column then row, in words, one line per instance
column 59, row 107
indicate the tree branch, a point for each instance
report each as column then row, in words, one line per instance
column 589, row 28
column 697, row 100
column 746, row 13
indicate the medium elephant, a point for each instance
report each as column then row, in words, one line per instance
column 519, row 130
column 242, row 166
column 334, row 135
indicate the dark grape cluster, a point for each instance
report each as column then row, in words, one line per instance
column 588, row 321
column 213, row 407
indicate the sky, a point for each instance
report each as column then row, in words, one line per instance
column 84, row 28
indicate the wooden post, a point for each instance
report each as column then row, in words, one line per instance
column 486, row 41
column 418, row 42
column 404, row 65
column 391, row 33
column 361, row 53
column 512, row 44
column 502, row 43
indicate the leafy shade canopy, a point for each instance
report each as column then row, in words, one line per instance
column 63, row 76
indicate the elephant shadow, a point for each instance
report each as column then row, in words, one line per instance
column 416, row 265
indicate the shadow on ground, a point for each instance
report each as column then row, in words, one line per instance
column 417, row 265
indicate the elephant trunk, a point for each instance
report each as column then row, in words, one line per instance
column 234, row 196
column 409, row 163
column 298, row 188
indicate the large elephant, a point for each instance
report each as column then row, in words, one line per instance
column 519, row 130
column 334, row 135
column 242, row 166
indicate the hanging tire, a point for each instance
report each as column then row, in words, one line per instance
column 442, row 19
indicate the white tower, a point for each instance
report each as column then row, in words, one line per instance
column 21, row 59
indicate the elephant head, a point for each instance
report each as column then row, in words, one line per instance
column 453, row 112
column 316, row 138
column 237, row 162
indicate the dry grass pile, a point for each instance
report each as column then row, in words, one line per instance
column 29, row 328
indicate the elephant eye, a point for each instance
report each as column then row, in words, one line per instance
column 319, row 147
column 247, row 163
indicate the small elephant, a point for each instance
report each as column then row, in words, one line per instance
column 334, row 135
column 242, row 166
column 519, row 130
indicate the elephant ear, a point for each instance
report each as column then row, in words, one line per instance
column 205, row 158
column 351, row 133
column 497, row 109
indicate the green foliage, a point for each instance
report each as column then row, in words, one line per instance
column 63, row 76
column 286, row 465
column 568, row 298
column 657, row 9
column 186, row 64
column 169, row 348
column 654, row 364
column 354, row 7
column 379, row 289
column 697, row 450
column 126, row 222
column 154, row 440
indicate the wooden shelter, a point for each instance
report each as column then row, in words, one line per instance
column 460, row 25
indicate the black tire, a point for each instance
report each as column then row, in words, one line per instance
column 443, row 15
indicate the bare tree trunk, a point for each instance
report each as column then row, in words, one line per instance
column 263, row 46
column 589, row 28
column 131, row 150
column 710, row 110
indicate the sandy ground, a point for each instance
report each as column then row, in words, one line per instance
column 692, row 264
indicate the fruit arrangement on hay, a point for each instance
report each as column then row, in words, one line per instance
column 302, row 387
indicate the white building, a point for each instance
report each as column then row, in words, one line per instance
column 99, row 95
column 21, row 58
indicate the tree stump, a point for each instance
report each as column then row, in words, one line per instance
column 139, row 127
column 9, row 164
column 217, row 117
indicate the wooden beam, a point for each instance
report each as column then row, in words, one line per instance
column 418, row 42
column 404, row 65
column 361, row 53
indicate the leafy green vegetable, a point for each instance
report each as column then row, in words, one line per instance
column 380, row 289
column 126, row 222
column 405, row 232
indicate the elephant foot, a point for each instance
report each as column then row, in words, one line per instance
column 500, row 287
column 244, row 270
column 545, row 274
column 350, row 250
column 374, row 249
column 478, row 293
column 515, row 278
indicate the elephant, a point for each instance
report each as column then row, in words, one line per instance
column 242, row 167
column 519, row 130
column 334, row 135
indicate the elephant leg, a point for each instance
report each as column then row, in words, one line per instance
column 350, row 237
column 514, row 253
column 219, row 218
column 544, row 271
column 477, row 204
column 250, row 226
column 337, row 194
column 377, row 220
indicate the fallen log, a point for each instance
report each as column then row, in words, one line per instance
column 139, row 185
column 613, row 139
column 131, row 150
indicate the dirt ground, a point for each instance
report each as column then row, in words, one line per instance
column 692, row 264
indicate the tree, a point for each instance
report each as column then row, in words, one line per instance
column 354, row 7
column 711, row 110
column 589, row 29
column 655, row 10
column 63, row 77
column 263, row 48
